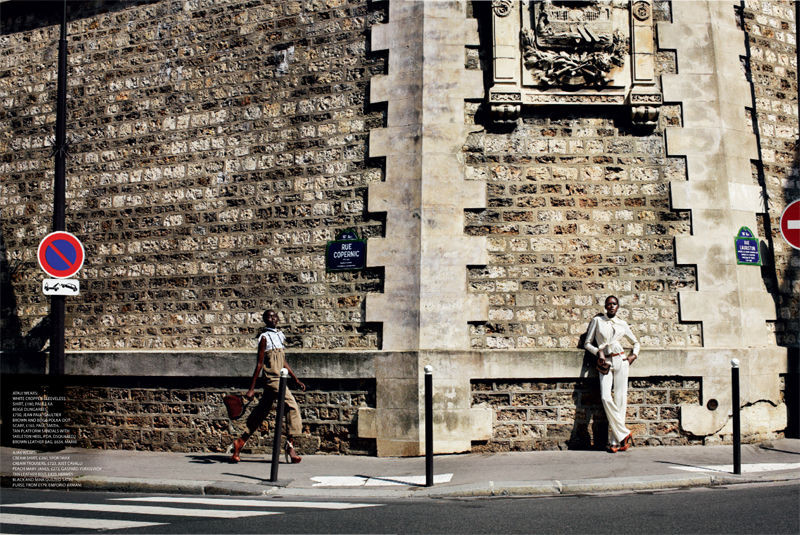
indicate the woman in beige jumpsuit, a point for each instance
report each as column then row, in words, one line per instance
column 271, row 359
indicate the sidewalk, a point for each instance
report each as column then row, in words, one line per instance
column 501, row 474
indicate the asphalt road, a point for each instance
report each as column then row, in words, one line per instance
column 737, row 509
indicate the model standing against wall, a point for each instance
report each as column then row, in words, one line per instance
column 271, row 359
column 603, row 339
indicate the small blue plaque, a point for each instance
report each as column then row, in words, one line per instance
column 747, row 248
column 346, row 253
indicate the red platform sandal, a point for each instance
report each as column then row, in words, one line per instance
column 291, row 455
column 238, row 444
column 626, row 443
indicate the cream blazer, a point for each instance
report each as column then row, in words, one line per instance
column 606, row 334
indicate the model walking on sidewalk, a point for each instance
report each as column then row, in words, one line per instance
column 271, row 359
column 603, row 339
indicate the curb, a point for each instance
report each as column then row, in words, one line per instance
column 556, row 487
column 473, row 490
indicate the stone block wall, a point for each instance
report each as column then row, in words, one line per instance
column 772, row 67
column 217, row 145
column 567, row 413
column 188, row 415
column 579, row 206
column 215, row 148
column 578, row 209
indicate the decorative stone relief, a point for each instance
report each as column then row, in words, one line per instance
column 573, row 52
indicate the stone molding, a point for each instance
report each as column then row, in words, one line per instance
column 573, row 53
column 316, row 364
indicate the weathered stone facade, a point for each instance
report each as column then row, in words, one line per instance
column 772, row 69
column 579, row 209
column 215, row 147
column 559, row 415
column 191, row 416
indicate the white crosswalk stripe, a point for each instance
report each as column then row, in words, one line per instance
column 746, row 468
column 250, row 503
column 145, row 510
column 75, row 523
column 138, row 506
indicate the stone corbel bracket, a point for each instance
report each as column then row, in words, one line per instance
column 731, row 300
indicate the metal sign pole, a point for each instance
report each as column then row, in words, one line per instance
column 276, row 443
column 737, row 438
column 428, row 426
column 57, row 303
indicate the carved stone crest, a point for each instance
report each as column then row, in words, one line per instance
column 641, row 10
column 570, row 51
column 502, row 7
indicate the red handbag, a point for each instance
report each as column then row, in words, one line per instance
column 235, row 405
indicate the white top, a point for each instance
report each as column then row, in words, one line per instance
column 274, row 338
column 607, row 333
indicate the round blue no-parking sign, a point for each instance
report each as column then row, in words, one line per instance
column 61, row 254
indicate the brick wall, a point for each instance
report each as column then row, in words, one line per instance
column 215, row 147
column 567, row 413
column 188, row 415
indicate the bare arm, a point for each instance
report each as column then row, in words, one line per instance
column 291, row 373
column 262, row 345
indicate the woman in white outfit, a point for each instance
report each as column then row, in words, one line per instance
column 603, row 339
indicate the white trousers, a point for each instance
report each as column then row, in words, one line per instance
column 616, row 405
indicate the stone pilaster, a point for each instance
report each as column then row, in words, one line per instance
column 731, row 300
column 425, row 304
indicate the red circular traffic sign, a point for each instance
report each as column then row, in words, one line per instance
column 790, row 224
column 61, row 255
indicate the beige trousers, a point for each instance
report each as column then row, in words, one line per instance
column 291, row 410
column 615, row 405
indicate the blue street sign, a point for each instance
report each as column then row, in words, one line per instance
column 747, row 248
column 346, row 253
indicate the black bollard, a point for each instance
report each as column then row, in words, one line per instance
column 276, row 443
column 428, row 426
column 737, row 439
